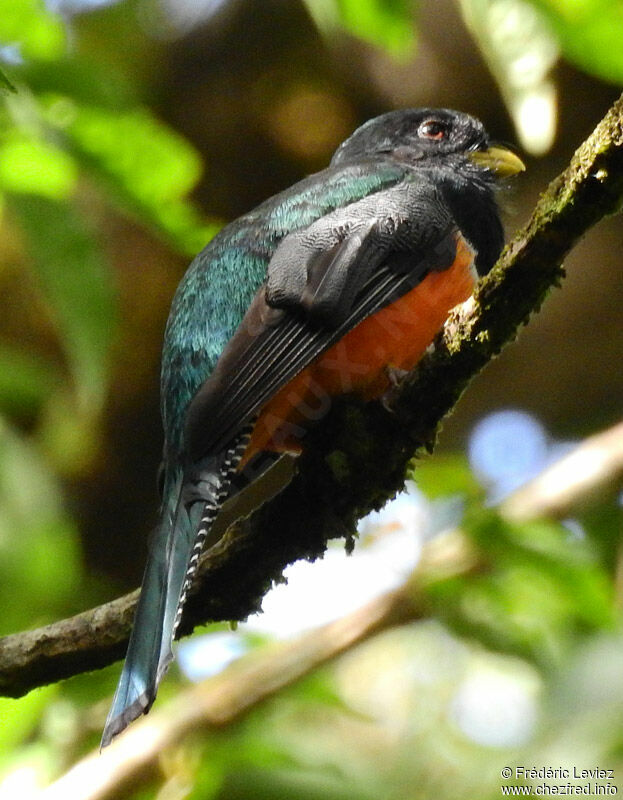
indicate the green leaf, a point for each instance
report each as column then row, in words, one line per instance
column 79, row 81
column 384, row 23
column 33, row 166
column 5, row 84
column 540, row 590
column 153, row 162
column 78, row 288
column 20, row 717
column 25, row 381
column 147, row 165
column 27, row 23
column 589, row 32
column 443, row 476
column 38, row 544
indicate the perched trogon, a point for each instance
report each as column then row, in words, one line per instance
column 337, row 284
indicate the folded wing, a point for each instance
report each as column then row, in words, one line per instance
column 322, row 281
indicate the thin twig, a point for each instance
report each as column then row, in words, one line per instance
column 590, row 470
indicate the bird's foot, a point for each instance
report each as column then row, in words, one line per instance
column 395, row 376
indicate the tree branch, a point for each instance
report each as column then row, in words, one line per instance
column 356, row 458
column 594, row 469
column 257, row 676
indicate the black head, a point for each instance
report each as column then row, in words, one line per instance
column 430, row 137
column 454, row 150
column 414, row 135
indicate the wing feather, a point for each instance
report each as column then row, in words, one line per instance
column 322, row 282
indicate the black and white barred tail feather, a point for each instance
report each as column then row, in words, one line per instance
column 190, row 506
column 210, row 512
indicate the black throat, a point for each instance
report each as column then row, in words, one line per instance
column 471, row 198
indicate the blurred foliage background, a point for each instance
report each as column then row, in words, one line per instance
column 129, row 132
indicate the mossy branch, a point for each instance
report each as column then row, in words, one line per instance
column 226, row 698
column 356, row 458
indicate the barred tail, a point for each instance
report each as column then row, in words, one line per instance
column 193, row 505
column 209, row 514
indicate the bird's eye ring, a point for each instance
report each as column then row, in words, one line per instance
column 432, row 129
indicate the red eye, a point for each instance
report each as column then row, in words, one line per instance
column 432, row 129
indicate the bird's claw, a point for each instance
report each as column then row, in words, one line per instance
column 395, row 376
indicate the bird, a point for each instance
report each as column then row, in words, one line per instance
column 336, row 285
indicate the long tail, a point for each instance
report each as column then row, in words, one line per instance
column 171, row 566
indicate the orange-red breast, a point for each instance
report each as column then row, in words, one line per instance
column 332, row 286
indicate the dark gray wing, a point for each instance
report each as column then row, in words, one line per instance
column 322, row 281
